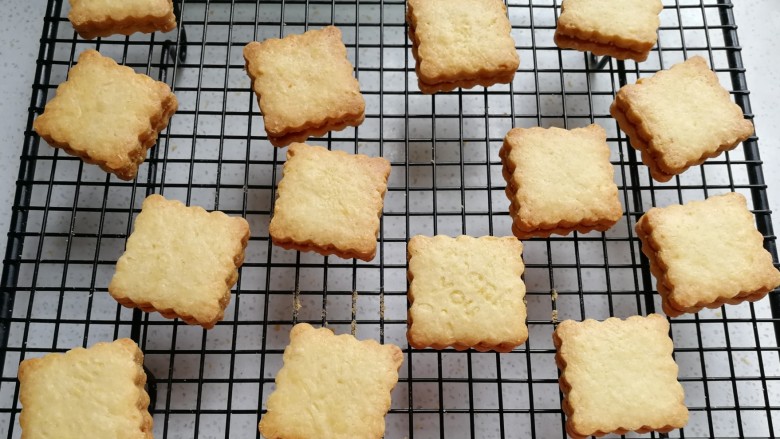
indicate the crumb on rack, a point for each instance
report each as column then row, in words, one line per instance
column 297, row 300
column 353, row 328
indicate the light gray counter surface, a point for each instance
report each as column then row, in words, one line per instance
column 20, row 30
column 20, row 35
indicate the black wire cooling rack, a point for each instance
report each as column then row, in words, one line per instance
column 70, row 223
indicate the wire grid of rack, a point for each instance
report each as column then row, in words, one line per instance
column 70, row 223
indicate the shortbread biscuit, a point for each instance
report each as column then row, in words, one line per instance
column 619, row 376
column 466, row 293
column 706, row 253
column 304, row 85
column 625, row 32
column 461, row 43
column 101, row 18
column 679, row 118
column 107, row 114
column 331, row 386
column 329, row 202
column 180, row 261
column 559, row 181
column 86, row 393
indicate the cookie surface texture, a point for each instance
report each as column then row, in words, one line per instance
column 331, row 386
column 329, row 202
column 101, row 18
column 180, row 261
column 619, row 376
column 107, row 114
column 706, row 253
column 559, row 181
column 466, row 292
column 95, row 392
column 679, row 118
column 625, row 32
column 461, row 43
column 305, row 85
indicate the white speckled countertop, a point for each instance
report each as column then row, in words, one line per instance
column 20, row 33
column 21, row 24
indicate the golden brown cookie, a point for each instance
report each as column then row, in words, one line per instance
column 101, row 18
column 679, row 118
column 107, row 114
column 329, row 202
column 304, row 85
column 619, row 376
column 625, row 32
column 706, row 253
column 180, row 261
column 461, row 43
column 559, row 181
column 466, row 293
column 86, row 393
column 332, row 387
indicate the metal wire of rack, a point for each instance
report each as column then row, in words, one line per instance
column 70, row 222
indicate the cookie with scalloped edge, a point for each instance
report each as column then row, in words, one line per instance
column 466, row 292
column 679, row 118
column 107, row 114
column 626, row 32
column 619, row 376
column 180, row 261
column 305, row 85
column 706, row 253
column 94, row 392
column 461, row 43
column 342, row 385
column 329, row 202
column 559, row 181
column 100, row 18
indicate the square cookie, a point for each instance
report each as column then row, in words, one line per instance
column 706, row 253
column 461, row 43
column 625, row 32
column 619, row 376
column 331, row 387
column 559, row 181
column 101, row 18
column 329, row 202
column 466, row 293
column 679, row 118
column 86, row 393
column 107, row 114
column 305, row 85
column 180, row 261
